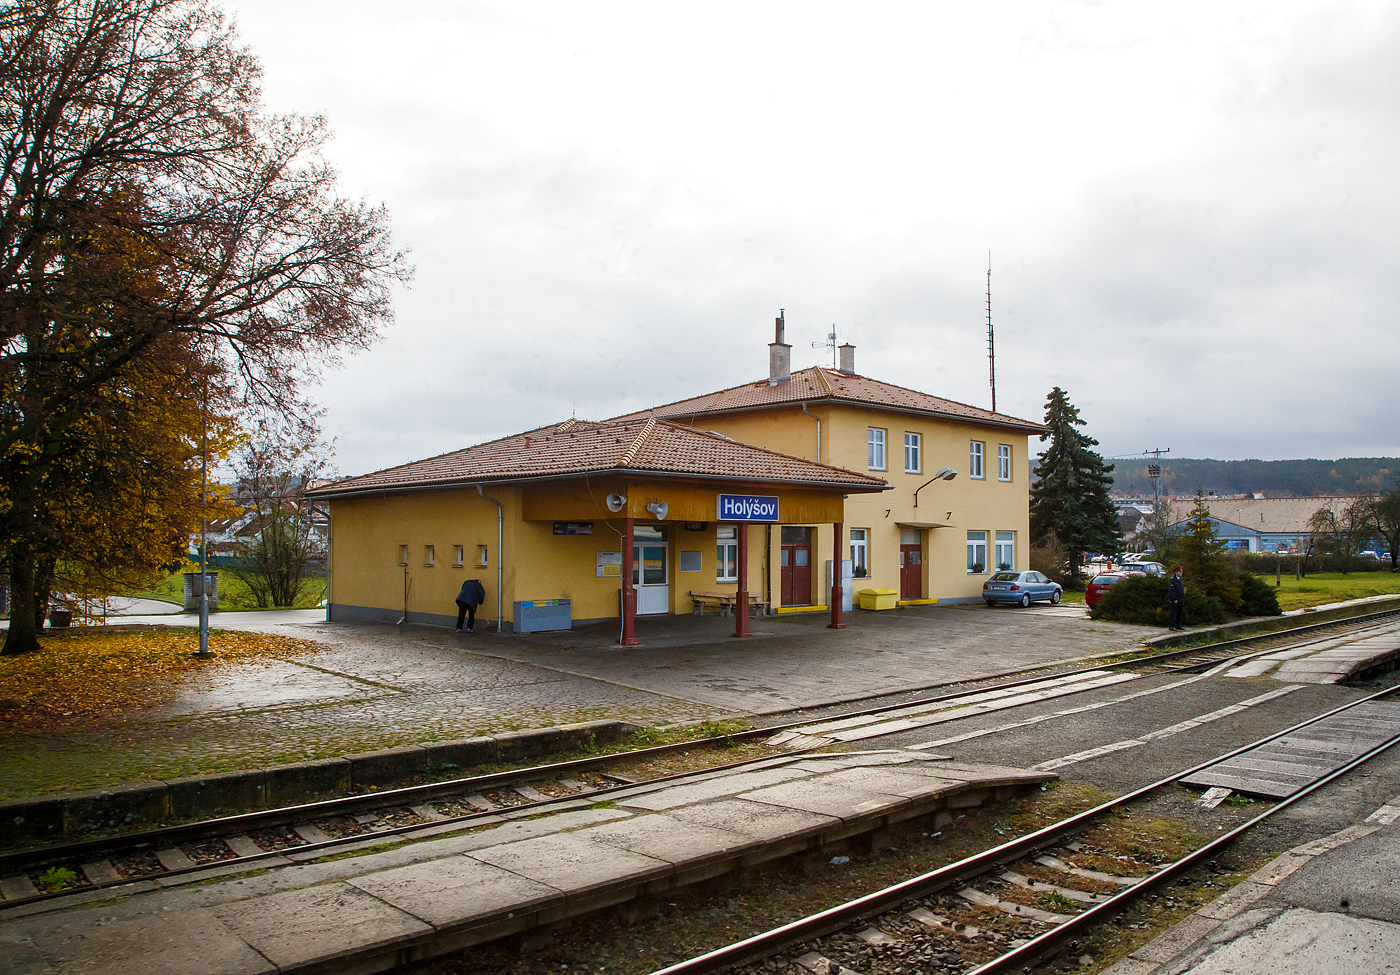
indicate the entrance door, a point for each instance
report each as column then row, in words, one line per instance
column 911, row 564
column 796, row 566
column 649, row 578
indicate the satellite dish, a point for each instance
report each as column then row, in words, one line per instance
column 658, row 508
column 616, row 501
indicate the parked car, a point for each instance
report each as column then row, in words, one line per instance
column 1147, row 568
column 1102, row 583
column 1024, row 587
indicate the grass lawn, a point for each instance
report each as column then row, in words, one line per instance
column 1318, row 588
column 233, row 594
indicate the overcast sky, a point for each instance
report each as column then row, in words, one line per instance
column 1191, row 208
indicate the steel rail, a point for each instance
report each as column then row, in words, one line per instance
column 1048, row 943
column 29, row 858
column 842, row 915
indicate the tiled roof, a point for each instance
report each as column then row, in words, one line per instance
column 648, row 446
column 1263, row 515
column 817, row 383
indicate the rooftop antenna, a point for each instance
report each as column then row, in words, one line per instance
column 830, row 343
column 991, row 339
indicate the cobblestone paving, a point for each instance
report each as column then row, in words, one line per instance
column 375, row 686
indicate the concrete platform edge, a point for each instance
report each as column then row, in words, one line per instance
column 1177, row 948
column 49, row 818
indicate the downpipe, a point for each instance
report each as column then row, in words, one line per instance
column 500, row 551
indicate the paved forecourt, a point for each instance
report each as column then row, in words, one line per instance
column 377, row 686
column 447, row 888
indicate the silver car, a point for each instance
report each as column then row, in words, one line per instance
column 1024, row 587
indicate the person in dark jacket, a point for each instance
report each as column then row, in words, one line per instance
column 1176, row 599
column 471, row 596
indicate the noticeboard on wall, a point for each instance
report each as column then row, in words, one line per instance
column 609, row 564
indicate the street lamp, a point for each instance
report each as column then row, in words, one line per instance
column 204, row 652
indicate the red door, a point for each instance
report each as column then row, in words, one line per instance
column 911, row 572
column 796, row 566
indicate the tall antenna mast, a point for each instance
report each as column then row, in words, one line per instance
column 991, row 340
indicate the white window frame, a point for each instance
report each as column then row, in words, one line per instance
column 1003, row 462
column 976, row 452
column 482, row 553
column 875, row 449
column 429, row 556
column 1005, row 546
column 913, row 453
column 726, row 553
column 461, row 551
column 860, row 551
column 976, row 552
column 403, row 555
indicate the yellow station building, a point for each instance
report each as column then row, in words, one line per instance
column 755, row 488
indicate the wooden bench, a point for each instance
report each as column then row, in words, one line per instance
column 723, row 601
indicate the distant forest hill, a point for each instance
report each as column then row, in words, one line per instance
column 1272, row 478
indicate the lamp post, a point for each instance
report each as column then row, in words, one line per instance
column 204, row 652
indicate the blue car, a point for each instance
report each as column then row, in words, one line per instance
column 1024, row 587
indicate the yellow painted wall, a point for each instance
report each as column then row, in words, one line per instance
column 366, row 533
column 962, row 504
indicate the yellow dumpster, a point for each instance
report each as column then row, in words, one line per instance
column 878, row 598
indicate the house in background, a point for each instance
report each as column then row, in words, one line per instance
column 1253, row 524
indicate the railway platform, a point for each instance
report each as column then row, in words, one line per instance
column 448, row 887
column 1328, row 906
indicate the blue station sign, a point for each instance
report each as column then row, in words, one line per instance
column 747, row 507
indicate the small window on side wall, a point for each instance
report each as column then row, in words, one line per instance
column 726, row 554
column 460, row 556
column 1003, row 462
column 974, row 460
column 429, row 556
column 403, row 555
column 481, row 556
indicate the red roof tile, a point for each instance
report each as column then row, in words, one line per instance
column 816, row 384
column 645, row 446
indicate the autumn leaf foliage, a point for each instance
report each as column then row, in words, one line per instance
column 165, row 246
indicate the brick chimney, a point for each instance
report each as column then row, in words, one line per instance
column 848, row 358
column 779, row 354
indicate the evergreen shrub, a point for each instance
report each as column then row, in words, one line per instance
column 1143, row 600
column 1257, row 597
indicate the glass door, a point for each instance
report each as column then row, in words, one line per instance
column 649, row 578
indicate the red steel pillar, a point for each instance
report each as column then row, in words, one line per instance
column 629, row 592
column 741, row 598
column 837, row 593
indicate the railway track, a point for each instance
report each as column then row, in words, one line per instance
column 321, row 828
column 1018, row 904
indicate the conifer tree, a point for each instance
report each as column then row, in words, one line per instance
column 1203, row 558
column 1070, row 497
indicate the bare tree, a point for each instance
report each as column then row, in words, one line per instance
column 1385, row 519
column 274, row 473
column 1344, row 531
column 147, row 201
